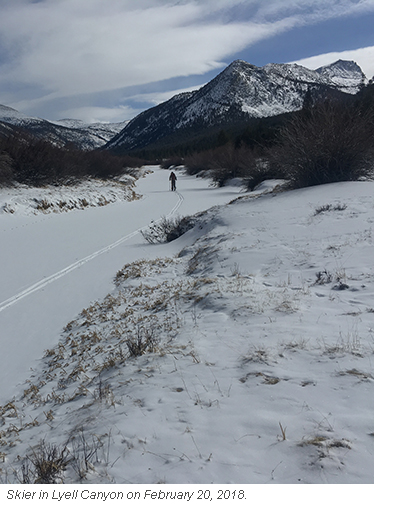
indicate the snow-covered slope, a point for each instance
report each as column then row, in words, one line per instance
column 258, row 327
column 100, row 132
column 272, row 89
column 25, row 201
column 242, row 91
column 11, row 115
column 85, row 136
column 346, row 75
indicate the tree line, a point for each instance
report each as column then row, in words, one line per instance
column 329, row 140
column 36, row 162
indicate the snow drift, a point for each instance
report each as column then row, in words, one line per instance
column 240, row 353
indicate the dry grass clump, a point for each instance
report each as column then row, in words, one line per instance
column 141, row 268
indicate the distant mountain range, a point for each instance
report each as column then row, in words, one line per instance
column 241, row 93
column 67, row 131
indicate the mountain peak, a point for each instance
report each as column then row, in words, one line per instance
column 239, row 63
column 341, row 64
column 241, row 92
column 238, row 66
column 346, row 75
column 6, row 109
column 11, row 115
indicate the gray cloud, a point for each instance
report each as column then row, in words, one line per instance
column 52, row 49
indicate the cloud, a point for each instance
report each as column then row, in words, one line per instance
column 53, row 49
column 74, row 47
column 126, row 108
column 155, row 98
column 92, row 114
column 305, row 12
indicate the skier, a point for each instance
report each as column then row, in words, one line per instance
column 173, row 179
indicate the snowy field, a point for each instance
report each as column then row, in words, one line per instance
column 257, row 324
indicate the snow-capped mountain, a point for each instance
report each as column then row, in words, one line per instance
column 239, row 93
column 62, row 132
column 99, row 132
column 344, row 74
column 13, row 116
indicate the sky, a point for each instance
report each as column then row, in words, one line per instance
column 108, row 60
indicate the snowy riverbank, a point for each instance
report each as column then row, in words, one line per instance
column 258, row 325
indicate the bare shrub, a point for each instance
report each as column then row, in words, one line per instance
column 227, row 162
column 143, row 340
column 328, row 143
column 173, row 161
column 36, row 162
column 167, row 229
column 199, row 161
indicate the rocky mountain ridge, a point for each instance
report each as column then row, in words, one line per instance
column 67, row 131
column 239, row 93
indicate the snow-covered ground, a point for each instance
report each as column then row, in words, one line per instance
column 258, row 325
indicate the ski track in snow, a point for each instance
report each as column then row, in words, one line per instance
column 46, row 281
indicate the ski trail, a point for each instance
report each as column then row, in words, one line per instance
column 178, row 204
column 48, row 280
